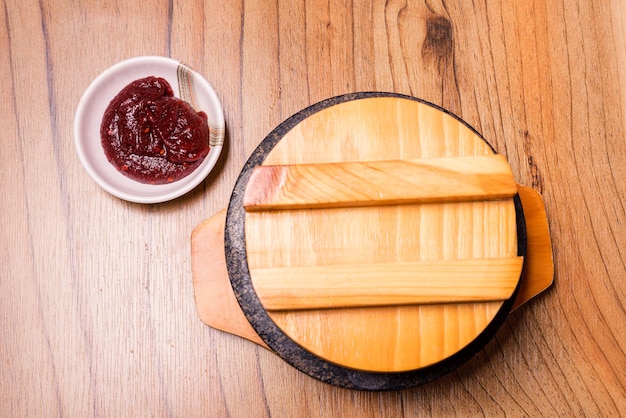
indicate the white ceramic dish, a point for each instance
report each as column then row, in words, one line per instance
column 195, row 90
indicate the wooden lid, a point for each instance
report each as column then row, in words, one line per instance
column 375, row 241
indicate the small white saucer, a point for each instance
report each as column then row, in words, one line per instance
column 195, row 90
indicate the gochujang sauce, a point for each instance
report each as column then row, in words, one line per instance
column 151, row 136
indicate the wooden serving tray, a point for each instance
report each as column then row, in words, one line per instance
column 380, row 234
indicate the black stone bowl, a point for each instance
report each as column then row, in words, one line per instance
column 283, row 345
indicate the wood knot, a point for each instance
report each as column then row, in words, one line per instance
column 438, row 43
column 533, row 168
column 438, row 30
column 535, row 175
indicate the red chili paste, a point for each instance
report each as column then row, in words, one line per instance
column 151, row 136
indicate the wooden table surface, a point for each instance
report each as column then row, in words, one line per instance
column 97, row 313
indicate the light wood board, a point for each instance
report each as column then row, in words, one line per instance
column 383, row 338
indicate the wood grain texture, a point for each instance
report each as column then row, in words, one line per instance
column 538, row 273
column 216, row 303
column 405, row 338
column 375, row 183
column 387, row 284
column 378, row 339
column 97, row 315
column 215, row 299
